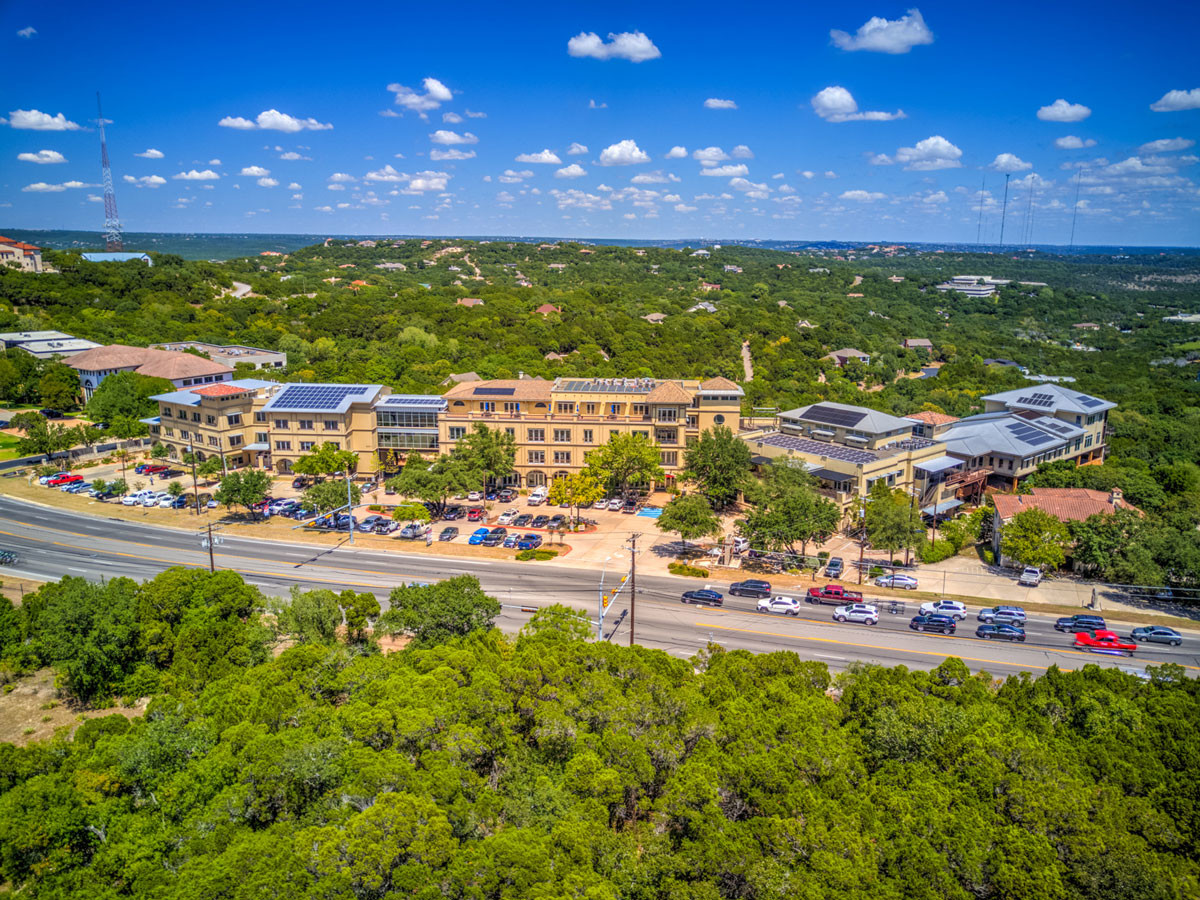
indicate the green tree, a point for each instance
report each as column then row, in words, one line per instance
column 309, row 617
column 41, row 437
column 491, row 452
column 576, row 490
column 787, row 511
column 1035, row 538
column 328, row 459
column 691, row 517
column 330, row 495
column 435, row 481
column 211, row 467
column 159, row 451
column 436, row 613
column 59, row 386
column 359, row 610
column 126, row 428
column 719, row 465
column 126, row 395
column 243, row 488
column 411, row 512
column 175, row 489
column 87, row 435
column 627, row 459
column 120, row 487
column 891, row 519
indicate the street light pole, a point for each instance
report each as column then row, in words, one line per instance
column 633, row 539
column 349, row 507
column 195, row 486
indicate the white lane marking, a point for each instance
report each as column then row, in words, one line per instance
column 74, row 569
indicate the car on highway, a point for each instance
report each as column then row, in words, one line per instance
column 449, row 533
column 1103, row 641
column 704, row 596
column 64, row 478
column 478, row 535
column 1000, row 632
column 946, row 608
column 932, row 622
column 475, row 514
column 1030, row 577
column 752, row 587
column 835, row 567
column 904, row 582
column 9, row 558
column 495, row 537
column 540, row 522
column 1002, row 615
column 1157, row 634
column 857, row 612
column 784, row 606
column 414, row 531
column 521, row 521
column 529, row 542
column 1079, row 622
column 507, row 517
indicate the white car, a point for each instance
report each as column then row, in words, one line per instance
column 907, row 582
column 507, row 517
column 166, row 502
column 784, row 606
column 1031, row 577
column 154, row 498
column 280, row 505
column 857, row 612
column 741, row 544
column 945, row 608
column 134, row 499
column 538, row 496
column 475, row 495
column 45, row 479
column 615, row 504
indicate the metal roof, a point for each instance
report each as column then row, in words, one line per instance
column 1008, row 433
column 412, row 402
column 325, row 398
column 939, row 508
column 1051, row 398
column 941, row 464
column 843, row 415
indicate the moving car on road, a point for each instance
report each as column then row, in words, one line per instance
column 753, row 587
column 1030, row 577
column 906, row 582
column 1102, row 641
column 1000, row 632
column 784, row 606
column 8, row 558
column 932, row 622
column 1157, row 634
column 478, row 535
column 833, row 595
column 857, row 612
column 1071, row 624
column 703, row 596
column 952, row 608
column 1002, row 615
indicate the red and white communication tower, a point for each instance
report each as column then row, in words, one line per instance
column 112, row 225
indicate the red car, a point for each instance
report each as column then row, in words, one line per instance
column 475, row 514
column 63, row 479
column 153, row 470
column 1103, row 642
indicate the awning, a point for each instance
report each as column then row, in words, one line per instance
column 830, row 475
column 153, row 420
column 261, row 448
column 939, row 508
column 760, row 460
column 941, row 464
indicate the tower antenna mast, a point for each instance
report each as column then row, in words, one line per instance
column 1004, row 213
column 112, row 225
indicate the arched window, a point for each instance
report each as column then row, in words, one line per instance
column 535, row 479
column 718, row 419
column 559, row 476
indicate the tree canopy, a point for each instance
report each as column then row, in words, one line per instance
column 1035, row 538
column 719, row 465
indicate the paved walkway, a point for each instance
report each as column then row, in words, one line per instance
column 747, row 361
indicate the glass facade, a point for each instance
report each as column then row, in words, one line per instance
column 403, row 441
column 402, row 419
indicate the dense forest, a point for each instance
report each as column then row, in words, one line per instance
column 475, row 765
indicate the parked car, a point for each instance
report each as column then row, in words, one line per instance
column 50, row 413
column 166, row 502
column 538, row 495
column 1001, row 632
column 154, row 469
column 784, row 606
column 1072, row 624
column 741, row 544
column 557, row 522
column 835, row 567
column 63, row 478
column 1030, row 577
column 904, row 582
column 704, row 597
column 45, row 479
column 1157, row 634
column 369, row 523
column 1102, row 641
column 753, row 587
column 449, row 533
column 832, row 595
column 521, row 521
column 510, row 542
column 387, row 526
column 414, row 531
column 529, row 542
column 475, row 514
column 180, row 502
column 452, row 513
column 507, row 517
column 540, row 522
column 630, row 507
column 857, row 612
column 495, row 537
column 952, row 608
column 478, row 535
column 475, row 496
column 506, row 495
column 77, row 488
column 299, row 483
column 1002, row 615
column 615, row 504
column 154, row 498
column 134, row 499
column 932, row 622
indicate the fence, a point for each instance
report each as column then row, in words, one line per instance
column 79, row 454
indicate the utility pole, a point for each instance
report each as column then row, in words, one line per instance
column 195, row 486
column 633, row 539
column 1075, row 208
column 979, row 227
column 212, row 563
column 350, row 507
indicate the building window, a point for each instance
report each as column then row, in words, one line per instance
column 589, row 408
column 537, row 457
column 331, row 424
column 487, row 406
column 281, row 423
column 668, row 457
column 640, row 409
column 511, row 432
column 588, row 437
column 666, row 435
column 261, row 437
column 669, row 414
column 195, row 417
column 235, row 440
column 612, row 433
column 336, row 445
column 565, row 408
column 512, row 408
column 185, row 435
column 644, row 434
column 233, row 419
column 395, row 419
column 214, row 441
column 457, row 432
column 260, row 417
column 210, row 420
column 283, row 445
column 562, row 435
column 401, row 441
column 166, row 412
column 562, row 457
column 306, row 446
column 536, row 435
column 305, row 424
column 614, row 409
column 1087, row 441
column 169, row 432
column 692, row 420
column 536, row 479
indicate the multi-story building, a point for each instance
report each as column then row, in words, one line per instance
column 181, row 369
column 214, row 420
column 45, row 344
column 557, row 423
column 232, row 354
column 20, row 255
column 298, row 418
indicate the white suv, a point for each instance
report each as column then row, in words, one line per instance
column 857, row 612
column 787, row 606
column 945, row 608
column 538, row 496
column 135, row 499
column 507, row 517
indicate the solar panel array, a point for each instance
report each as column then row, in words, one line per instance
column 1027, row 434
column 1089, row 402
column 494, row 391
column 1045, row 401
column 611, row 385
column 819, row 448
column 316, row 397
column 1058, row 426
column 844, row 418
column 401, row 400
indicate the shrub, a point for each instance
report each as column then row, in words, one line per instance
column 937, row 551
column 375, row 507
column 679, row 568
column 823, row 556
column 538, row 554
column 875, row 572
column 989, row 557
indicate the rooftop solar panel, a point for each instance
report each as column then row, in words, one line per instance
column 1089, row 402
column 832, row 416
column 315, row 397
column 494, row 391
column 819, row 448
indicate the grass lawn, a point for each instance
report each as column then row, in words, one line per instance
column 8, row 447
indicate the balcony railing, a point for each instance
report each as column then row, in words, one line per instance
column 968, row 476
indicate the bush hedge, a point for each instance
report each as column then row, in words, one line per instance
column 679, row 568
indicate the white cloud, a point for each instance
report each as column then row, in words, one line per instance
column 574, row 170
column 1163, row 145
column 474, row 115
column 592, row 104
column 293, row 155
column 193, row 175
column 323, row 208
column 1175, row 101
column 861, row 196
column 1071, row 142
column 684, row 208
column 267, row 182
column 512, row 177
column 676, row 152
column 836, row 104
column 749, row 188
column 451, row 118
column 341, row 177
column 214, row 162
column 623, row 153
column 150, row 154
column 655, row 177
column 434, row 95
column 255, row 171
column 882, row 36
column 27, row 32
column 1134, row 166
column 448, row 138
column 294, row 186
column 1062, row 111
column 710, row 156
column 879, row 159
column 146, row 181
column 274, row 120
column 40, row 187
column 454, row 153
column 631, row 45
column 935, row 197
column 36, row 120
column 932, row 153
column 42, row 157
column 717, row 103
column 829, row 173
column 730, row 171
column 542, row 157
column 1008, row 162
column 336, row 187
column 387, row 173
column 741, row 151
column 807, row 174
column 576, row 149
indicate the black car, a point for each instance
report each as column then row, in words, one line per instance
column 522, row 521
column 1000, row 632
column 1072, row 624
column 835, row 567
column 299, row 483
column 51, row 413
column 557, row 522
column 508, row 495
column 706, row 597
column 495, row 537
column 448, row 534
column 752, row 588
column 539, row 522
column 944, row 624
column 452, row 513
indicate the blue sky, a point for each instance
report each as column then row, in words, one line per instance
column 868, row 121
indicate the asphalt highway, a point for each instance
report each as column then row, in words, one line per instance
column 53, row 543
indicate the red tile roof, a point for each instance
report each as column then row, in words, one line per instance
column 932, row 418
column 1065, row 504
column 223, row 389
column 146, row 361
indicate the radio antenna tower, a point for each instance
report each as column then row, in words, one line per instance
column 1004, row 214
column 112, row 225
column 979, row 227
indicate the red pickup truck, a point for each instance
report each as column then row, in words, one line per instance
column 59, row 480
column 833, row 594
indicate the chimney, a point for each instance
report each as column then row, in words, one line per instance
column 1116, row 497
column 520, row 376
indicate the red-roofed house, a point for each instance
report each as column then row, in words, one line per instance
column 1065, row 504
column 20, row 255
column 181, row 369
column 546, row 309
column 469, row 301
